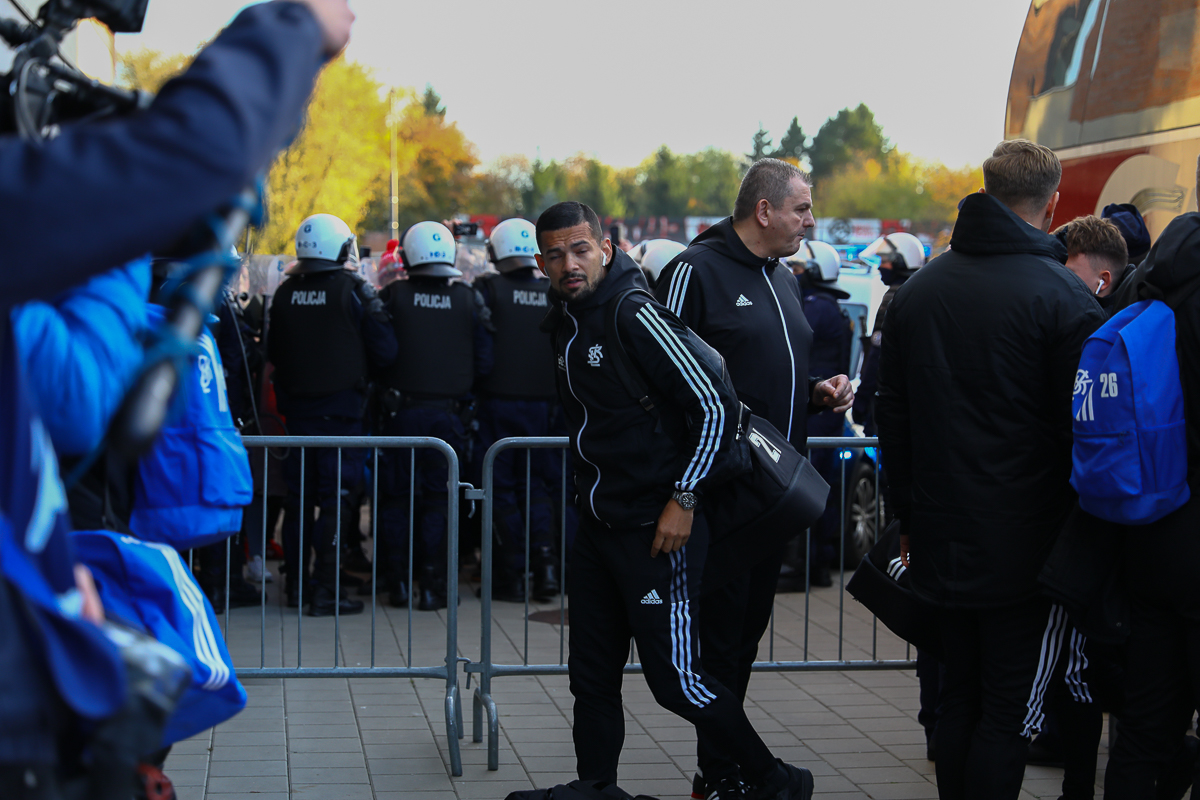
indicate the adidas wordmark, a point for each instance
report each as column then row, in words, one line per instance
column 652, row 599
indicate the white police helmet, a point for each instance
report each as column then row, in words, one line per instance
column 324, row 243
column 513, row 245
column 659, row 254
column 821, row 261
column 903, row 249
column 429, row 251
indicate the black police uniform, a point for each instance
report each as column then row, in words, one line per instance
column 516, row 399
column 830, row 355
column 327, row 331
column 441, row 348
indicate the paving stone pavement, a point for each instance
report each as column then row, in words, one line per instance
column 385, row 738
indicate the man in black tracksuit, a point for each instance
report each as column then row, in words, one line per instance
column 637, row 560
column 974, row 415
column 730, row 287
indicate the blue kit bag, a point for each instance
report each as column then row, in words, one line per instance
column 148, row 587
column 1129, row 460
column 192, row 485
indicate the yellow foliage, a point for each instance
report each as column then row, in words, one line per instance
column 339, row 161
column 899, row 187
column 147, row 70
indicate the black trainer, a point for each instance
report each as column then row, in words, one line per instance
column 725, row 789
column 787, row 783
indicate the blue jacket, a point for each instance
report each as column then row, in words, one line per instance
column 81, row 351
column 192, row 485
column 136, row 184
column 37, row 560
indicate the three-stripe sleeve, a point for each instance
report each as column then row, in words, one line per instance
column 678, row 288
column 713, row 425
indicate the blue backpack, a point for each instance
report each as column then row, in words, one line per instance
column 192, row 485
column 148, row 587
column 1129, row 460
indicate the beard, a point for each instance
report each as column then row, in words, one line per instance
column 579, row 295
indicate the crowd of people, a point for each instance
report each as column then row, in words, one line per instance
column 1050, row 609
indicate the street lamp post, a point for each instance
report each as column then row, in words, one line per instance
column 395, row 195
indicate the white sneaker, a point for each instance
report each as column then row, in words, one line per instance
column 257, row 572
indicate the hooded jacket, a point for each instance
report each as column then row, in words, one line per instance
column 627, row 461
column 1173, row 261
column 974, row 407
column 749, row 309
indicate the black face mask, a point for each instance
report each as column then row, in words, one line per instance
column 890, row 276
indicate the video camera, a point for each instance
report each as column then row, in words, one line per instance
column 43, row 90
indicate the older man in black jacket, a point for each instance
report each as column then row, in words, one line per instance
column 637, row 559
column 974, row 418
column 730, row 287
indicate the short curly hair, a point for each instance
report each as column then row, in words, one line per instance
column 1096, row 238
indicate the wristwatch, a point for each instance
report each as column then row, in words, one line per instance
column 686, row 500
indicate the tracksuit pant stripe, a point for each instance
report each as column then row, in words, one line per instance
column 1052, row 640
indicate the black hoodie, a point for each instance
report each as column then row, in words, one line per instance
column 1173, row 261
column 626, row 466
column 749, row 309
column 974, row 409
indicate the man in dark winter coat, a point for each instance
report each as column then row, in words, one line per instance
column 974, row 417
column 730, row 287
column 1162, row 669
column 637, row 558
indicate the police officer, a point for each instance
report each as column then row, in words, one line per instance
column 900, row 255
column 818, row 265
column 327, row 331
column 516, row 400
column 442, row 346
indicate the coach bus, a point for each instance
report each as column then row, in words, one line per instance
column 1112, row 86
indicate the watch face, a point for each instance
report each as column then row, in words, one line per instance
column 686, row 499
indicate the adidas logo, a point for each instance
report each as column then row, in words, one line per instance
column 652, row 599
column 742, row 301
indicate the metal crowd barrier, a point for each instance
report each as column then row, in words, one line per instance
column 483, row 702
column 448, row 670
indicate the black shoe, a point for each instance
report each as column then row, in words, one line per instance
column 324, row 604
column 433, row 591
column 431, row 599
column 787, row 783
column 398, row 595
column 821, row 577
column 546, row 584
column 1176, row 775
column 699, row 787
column 726, row 789
column 509, row 588
column 243, row 594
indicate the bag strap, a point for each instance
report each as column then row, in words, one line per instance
column 626, row 371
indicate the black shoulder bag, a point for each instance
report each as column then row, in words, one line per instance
column 765, row 491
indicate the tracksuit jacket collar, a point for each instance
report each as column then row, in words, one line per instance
column 723, row 239
column 985, row 226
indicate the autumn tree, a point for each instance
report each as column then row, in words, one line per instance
column 147, row 70
column 338, row 162
column 760, row 147
column 850, row 134
column 793, row 146
column 901, row 188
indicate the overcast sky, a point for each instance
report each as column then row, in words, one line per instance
column 620, row 78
